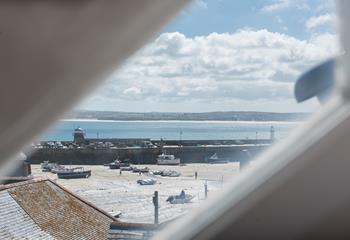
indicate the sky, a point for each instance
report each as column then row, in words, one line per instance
column 224, row 55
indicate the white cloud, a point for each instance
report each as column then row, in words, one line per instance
column 201, row 4
column 277, row 5
column 325, row 6
column 283, row 4
column 248, row 65
column 314, row 22
column 133, row 91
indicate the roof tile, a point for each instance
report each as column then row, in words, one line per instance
column 15, row 223
column 56, row 211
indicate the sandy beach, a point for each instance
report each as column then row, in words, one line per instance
column 116, row 193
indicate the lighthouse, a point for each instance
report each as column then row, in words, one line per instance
column 79, row 136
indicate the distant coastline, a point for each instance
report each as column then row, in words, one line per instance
column 232, row 116
column 179, row 121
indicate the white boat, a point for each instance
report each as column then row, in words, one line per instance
column 59, row 168
column 165, row 159
column 216, row 159
column 170, row 173
column 46, row 166
column 147, row 181
column 180, row 199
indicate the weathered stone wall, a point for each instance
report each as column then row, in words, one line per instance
column 143, row 155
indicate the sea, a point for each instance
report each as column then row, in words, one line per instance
column 168, row 130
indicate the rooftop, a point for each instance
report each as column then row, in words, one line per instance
column 41, row 209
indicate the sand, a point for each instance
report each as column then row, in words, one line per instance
column 116, row 193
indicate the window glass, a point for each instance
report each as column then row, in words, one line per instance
column 188, row 112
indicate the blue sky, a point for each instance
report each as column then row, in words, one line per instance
column 205, row 17
column 225, row 55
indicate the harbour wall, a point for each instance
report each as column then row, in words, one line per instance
column 143, row 155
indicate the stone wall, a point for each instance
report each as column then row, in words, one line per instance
column 188, row 154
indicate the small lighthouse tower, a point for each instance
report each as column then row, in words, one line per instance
column 272, row 133
column 79, row 136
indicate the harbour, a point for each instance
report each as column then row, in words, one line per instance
column 138, row 184
column 141, row 155
column 81, row 146
column 120, row 195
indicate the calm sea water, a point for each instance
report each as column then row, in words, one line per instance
column 186, row 130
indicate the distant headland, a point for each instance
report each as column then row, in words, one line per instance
column 187, row 116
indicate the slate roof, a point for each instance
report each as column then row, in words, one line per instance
column 15, row 223
column 42, row 209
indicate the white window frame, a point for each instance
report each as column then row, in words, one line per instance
column 297, row 188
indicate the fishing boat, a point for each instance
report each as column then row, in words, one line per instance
column 170, row 173
column 118, row 164
column 180, row 199
column 114, row 165
column 165, row 159
column 46, row 166
column 140, row 170
column 77, row 172
column 156, row 172
column 147, row 181
column 216, row 159
column 59, row 168
column 126, row 168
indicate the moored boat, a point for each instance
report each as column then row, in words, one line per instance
column 114, row 166
column 180, row 199
column 146, row 181
column 156, row 172
column 165, row 159
column 126, row 168
column 216, row 159
column 77, row 172
column 59, row 168
column 118, row 164
column 170, row 173
column 46, row 166
column 140, row 170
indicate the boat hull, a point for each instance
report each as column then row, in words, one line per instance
column 147, row 182
column 114, row 166
column 180, row 200
column 218, row 161
column 215, row 159
column 168, row 162
column 70, row 175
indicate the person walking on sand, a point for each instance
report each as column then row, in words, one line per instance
column 195, row 175
column 120, row 172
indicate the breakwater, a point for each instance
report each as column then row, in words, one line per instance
column 145, row 155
